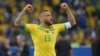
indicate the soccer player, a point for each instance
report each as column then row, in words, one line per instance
column 44, row 35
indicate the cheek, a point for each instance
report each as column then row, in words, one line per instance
column 46, row 19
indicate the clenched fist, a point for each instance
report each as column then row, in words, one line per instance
column 64, row 6
column 28, row 7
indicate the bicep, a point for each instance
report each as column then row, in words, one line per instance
column 60, row 27
column 63, row 26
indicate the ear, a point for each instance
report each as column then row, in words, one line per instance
column 41, row 19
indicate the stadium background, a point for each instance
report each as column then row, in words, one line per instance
column 86, row 12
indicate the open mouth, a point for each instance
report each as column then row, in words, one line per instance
column 51, row 20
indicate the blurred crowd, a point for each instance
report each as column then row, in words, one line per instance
column 86, row 12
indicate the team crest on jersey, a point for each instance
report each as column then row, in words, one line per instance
column 52, row 31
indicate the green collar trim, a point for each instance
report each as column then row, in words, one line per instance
column 42, row 26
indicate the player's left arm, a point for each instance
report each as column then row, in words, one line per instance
column 71, row 19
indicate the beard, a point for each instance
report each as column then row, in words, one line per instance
column 48, row 23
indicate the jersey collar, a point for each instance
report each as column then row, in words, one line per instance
column 42, row 27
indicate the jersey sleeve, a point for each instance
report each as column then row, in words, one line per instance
column 60, row 27
column 27, row 27
column 63, row 26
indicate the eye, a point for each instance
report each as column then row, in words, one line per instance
column 48, row 15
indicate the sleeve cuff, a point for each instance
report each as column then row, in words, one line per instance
column 24, row 25
column 67, row 25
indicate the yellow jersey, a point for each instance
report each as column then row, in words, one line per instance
column 44, row 39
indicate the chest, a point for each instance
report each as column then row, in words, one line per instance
column 45, row 35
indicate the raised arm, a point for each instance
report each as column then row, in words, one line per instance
column 19, row 18
column 71, row 18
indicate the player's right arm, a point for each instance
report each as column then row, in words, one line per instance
column 18, row 21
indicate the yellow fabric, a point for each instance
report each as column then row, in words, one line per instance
column 3, row 28
column 90, row 9
column 2, row 18
column 37, row 7
column 91, row 21
column 47, row 7
column 78, row 37
column 88, row 41
column 22, row 4
column 2, row 38
column 44, row 42
column 56, row 2
column 25, row 18
column 14, row 10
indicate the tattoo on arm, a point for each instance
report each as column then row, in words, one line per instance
column 19, row 19
column 71, row 18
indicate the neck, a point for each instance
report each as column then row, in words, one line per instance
column 45, row 25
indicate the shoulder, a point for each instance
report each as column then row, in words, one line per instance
column 28, row 24
column 67, row 25
column 31, row 25
column 58, row 25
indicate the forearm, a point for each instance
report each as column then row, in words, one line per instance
column 19, row 19
column 71, row 18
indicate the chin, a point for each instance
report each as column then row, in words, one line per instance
column 48, row 23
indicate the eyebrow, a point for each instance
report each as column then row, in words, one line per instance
column 47, row 15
